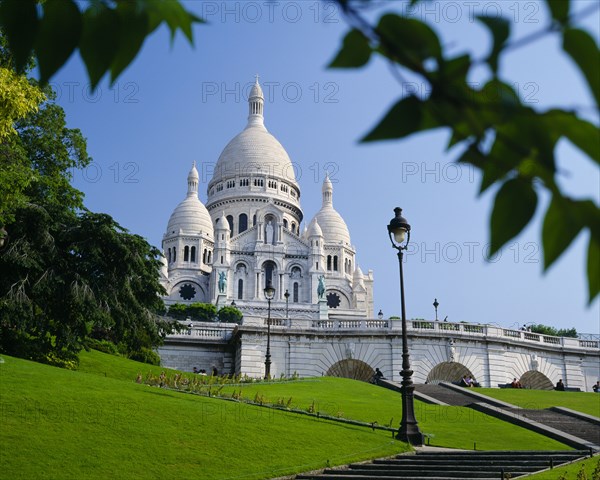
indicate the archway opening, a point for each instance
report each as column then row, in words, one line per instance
column 536, row 381
column 448, row 372
column 351, row 368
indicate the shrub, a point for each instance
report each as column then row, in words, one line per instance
column 230, row 315
column 145, row 355
column 102, row 346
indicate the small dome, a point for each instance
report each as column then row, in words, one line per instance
column 333, row 225
column 191, row 216
column 256, row 90
column 314, row 230
column 222, row 223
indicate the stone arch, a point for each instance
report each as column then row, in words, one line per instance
column 536, row 381
column 188, row 291
column 351, row 368
column 335, row 295
column 448, row 372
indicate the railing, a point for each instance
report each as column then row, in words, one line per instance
column 203, row 332
column 589, row 344
column 350, row 324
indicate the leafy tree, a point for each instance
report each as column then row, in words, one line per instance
column 230, row 315
column 68, row 274
column 108, row 33
column 512, row 144
column 547, row 330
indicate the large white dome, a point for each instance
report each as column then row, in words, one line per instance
column 254, row 151
column 191, row 216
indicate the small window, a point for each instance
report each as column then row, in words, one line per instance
column 193, row 254
column 335, row 263
column 294, row 227
column 204, row 260
column 329, row 262
column 186, row 254
column 259, row 182
column 294, row 194
column 230, row 183
column 240, row 294
column 284, row 188
column 174, row 254
column 219, row 187
column 243, row 222
column 230, row 222
column 169, row 254
column 209, row 255
column 285, row 223
column 272, row 184
column 295, row 297
column 244, row 182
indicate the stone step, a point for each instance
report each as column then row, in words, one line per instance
column 468, row 465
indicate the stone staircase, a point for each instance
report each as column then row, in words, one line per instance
column 442, row 394
column 565, row 423
column 451, row 465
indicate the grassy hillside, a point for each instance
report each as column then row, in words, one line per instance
column 59, row 424
column 97, row 423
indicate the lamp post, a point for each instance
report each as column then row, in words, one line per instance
column 399, row 230
column 380, row 314
column 269, row 295
column 435, row 305
column 287, row 311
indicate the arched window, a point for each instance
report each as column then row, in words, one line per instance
column 242, row 223
column 335, row 263
column 349, row 266
column 174, row 254
column 285, row 223
column 169, row 254
column 254, row 220
column 230, row 222
column 294, row 228
column 204, row 256
column 186, row 254
column 269, row 269
column 240, row 294
column 295, row 295
column 209, row 255
column 328, row 262
column 193, row 254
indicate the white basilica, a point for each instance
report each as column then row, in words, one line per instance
column 249, row 233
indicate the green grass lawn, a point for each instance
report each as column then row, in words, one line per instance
column 585, row 402
column 97, row 423
column 59, row 424
column 591, row 467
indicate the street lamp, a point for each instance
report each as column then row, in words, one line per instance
column 435, row 305
column 399, row 230
column 269, row 295
column 287, row 311
column 380, row 315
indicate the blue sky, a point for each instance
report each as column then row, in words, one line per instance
column 177, row 104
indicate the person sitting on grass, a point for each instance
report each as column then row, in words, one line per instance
column 516, row 384
column 466, row 382
column 596, row 388
column 560, row 386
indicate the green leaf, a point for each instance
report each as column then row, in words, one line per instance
column 514, row 207
column 593, row 268
column 59, row 34
column 500, row 30
column 99, row 43
column 408, row 41
column 403, row 119
column 583, row 50
column 174, row 14
column 583, row 134
column 355, row 51
column 132, row 33
column 559, row 9
column 19, row 21
column 560, row 228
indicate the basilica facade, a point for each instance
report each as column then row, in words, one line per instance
column 252, row 231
